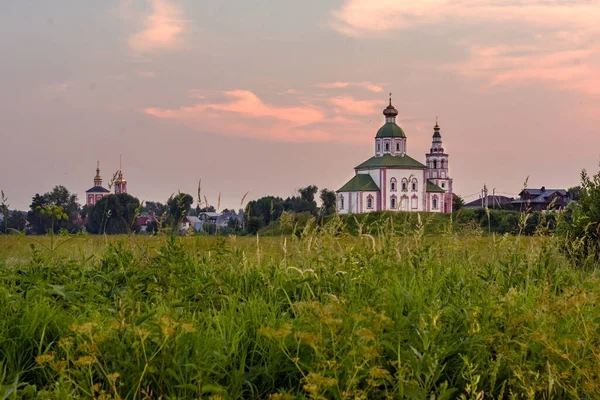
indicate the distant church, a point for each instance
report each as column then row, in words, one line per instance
column 97, row 192
column 391, row 180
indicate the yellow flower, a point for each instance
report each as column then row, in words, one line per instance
column 44, row 358
column 85, row 361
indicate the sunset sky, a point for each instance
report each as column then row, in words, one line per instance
column 269, row 96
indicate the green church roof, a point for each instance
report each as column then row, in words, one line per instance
column 433, row 188
column 390, row 129
column 390, row 161
column 360, row 183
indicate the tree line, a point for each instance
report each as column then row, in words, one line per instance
column 59, row 211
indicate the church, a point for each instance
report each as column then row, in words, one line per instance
column 393, row 181
column 97, row 192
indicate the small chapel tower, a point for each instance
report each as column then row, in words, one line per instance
column 97, row 192
column 120, row 182
column 437, row 169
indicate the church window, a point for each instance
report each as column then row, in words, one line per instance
column 435, row 203
column 434, row 164
column 370, row 202
column 378, row 148
column 397, row 146
column 393, row 185
column 341, row 202
column 387, row 147
column 414, row 202
column 443, row 185
column 414, row 185
column 404, row 185
column 404, row 203
column 393, row 203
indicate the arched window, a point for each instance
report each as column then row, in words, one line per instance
column 393, row 202
column 378, row 148
column 387, row 146
column 414, row 185
column 369, row 202
column 435, row 203
column 397, row 146
column 341, row 202
column 393, row 185
column 435, row 164
column 443, row 185
column 404, row 185
column 404, row 203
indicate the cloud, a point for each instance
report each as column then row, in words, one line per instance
column 352, row 106
column 363, row 17
column 339, row 85
column 573, row 69
column 557, row 44
column 243, row 113
column 163, row 28
column 59, row 87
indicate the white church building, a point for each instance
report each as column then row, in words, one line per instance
column 391, row 180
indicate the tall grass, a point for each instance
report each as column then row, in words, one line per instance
column 314, row 315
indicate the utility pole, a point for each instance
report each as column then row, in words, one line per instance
column 493, row 198
column 485, row 195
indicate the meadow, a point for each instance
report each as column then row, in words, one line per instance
column 319, row 314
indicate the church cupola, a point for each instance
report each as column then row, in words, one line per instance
column 390, row 138
column 98, row 178
column 120, row 181
column 436, row 141
column 390, row 112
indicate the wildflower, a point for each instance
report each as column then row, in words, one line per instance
column 379, row 373
column 85, row 328
column 188, row 328
column 85, row 361
column 280, row 396
column 271, row 333
column 66, row 342
column 141, row 332
column 44, row 358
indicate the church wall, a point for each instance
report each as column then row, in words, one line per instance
column 432, row 199
column 408, row 200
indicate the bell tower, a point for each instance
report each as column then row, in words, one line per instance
column 437, row 167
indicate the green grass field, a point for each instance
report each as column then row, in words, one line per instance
column 323, row 315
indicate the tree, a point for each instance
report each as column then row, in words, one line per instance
column 457, row 202
column 59, row 196
column 308, row 193
column 13, row 221
column 328, row 200
column 267, row 209
column 113, row 214
column 178, row 207
column 156, row 207
column 584, row 230
column 574, row 192
column 208, row 209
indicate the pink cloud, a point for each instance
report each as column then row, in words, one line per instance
column 340, row 85
column 363, row 17
column 504, row 65
column 350, row 105
column 162, row 28
column 243, row 113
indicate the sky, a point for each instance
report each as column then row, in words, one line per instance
column 264, row 97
